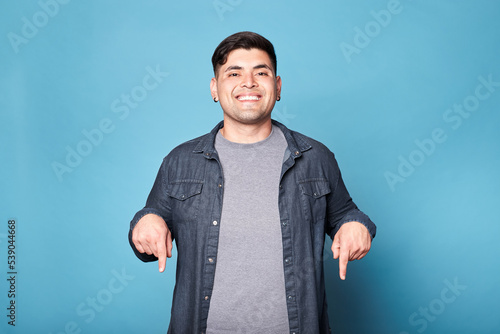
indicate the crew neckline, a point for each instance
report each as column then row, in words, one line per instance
column 220, row 139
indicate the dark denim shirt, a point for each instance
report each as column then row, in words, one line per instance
column 313, row 202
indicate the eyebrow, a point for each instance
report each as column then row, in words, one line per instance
column 237, row 67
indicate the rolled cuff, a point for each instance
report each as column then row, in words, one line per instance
column 356, row 216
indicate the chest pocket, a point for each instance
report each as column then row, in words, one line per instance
column 186, row 199
column 313, row 196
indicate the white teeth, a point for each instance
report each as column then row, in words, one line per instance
column 248, row 98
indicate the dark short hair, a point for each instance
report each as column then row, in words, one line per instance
column 242, row 40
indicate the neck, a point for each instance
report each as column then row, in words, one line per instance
column 246, row 133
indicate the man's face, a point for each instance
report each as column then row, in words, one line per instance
column 246, row 86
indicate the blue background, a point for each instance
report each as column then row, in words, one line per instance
column 369, row 106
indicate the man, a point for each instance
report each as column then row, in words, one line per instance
column 249, row 205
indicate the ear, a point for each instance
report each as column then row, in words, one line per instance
column 278, row 86
column 213, row 88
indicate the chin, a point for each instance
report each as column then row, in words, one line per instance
column 250, row 118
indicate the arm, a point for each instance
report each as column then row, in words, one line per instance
column 351, row 230
column 149, row 235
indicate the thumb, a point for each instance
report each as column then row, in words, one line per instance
column 336, row 247
column 169, row 244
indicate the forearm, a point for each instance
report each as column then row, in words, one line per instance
column 156, row 204
column 341, row 208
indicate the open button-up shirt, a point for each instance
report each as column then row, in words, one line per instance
column 313, row 202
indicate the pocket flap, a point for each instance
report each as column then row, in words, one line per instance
column 315, row 188
column 184, row 189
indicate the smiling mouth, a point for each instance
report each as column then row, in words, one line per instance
column 248, row 98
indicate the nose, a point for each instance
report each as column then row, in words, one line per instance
column 248, row 81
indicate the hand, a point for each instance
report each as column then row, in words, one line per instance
column 351, row 242
column 152, row 236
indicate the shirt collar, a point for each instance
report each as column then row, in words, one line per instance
column 296, row 142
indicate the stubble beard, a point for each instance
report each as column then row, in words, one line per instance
column 251, row 116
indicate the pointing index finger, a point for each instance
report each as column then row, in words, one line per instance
column 343, row 260
column 162, row 256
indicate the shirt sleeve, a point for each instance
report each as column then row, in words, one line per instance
column 341, row 209
column 158, row 204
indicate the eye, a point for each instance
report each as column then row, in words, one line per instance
column 262, row 73
column 233, row 75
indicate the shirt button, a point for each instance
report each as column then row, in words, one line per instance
column 206, row 297
column 284, row 223
column 297, row 152
column 281, row 186
column 211, row 260
column 214, row 223
column 289, row 297
column 220, row 185
column 287, row 260
column 315, row 194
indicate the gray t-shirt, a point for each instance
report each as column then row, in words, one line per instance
column 249, row 287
